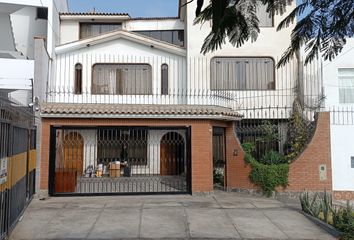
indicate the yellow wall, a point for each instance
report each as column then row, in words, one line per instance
column 16, row 168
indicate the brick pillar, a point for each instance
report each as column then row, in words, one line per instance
column 202, row 158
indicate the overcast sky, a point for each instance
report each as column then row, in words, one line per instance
column 135, row 8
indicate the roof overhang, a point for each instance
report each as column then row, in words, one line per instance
column 120, row 34
column 100, row 111
column 92, row 17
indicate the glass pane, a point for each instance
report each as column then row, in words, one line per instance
column 156, row 35
column 166, row 36
column 178, row 38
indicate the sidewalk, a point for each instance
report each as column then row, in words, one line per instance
column 219, row 216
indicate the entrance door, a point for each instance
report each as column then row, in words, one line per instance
column 219, row 158
column 70, row 165
column 172, row 154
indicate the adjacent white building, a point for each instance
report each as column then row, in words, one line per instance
column 338, row 77
column 20, row 23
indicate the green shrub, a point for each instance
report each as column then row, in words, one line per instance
column 310, row 205
column 249, row 147
column 266, row 176
column 273, row 157
column 343, row 220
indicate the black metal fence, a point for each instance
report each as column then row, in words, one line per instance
column 17, row 162
column 119, row 160
column 280, row 124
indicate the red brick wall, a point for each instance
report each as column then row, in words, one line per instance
column 201, row 131
column 237, row 170
column 304, row 171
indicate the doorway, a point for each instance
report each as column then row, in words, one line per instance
column 70, row 165
column 172, row 154
column 219, row 158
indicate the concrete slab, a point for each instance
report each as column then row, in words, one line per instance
column 254, row 224
column 219, row 216
column 163, row 223
column 293, row 224
column 210, row 223
column 33, row 223
column 70, row 224
column 112, row 223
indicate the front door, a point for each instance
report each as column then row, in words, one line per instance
column 219, row 158
column 172, row 154
column 70, row 165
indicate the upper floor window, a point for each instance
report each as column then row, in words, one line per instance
column 175, row 37
column 78, row 78
column 121, row 79
column 346, row 85
column 242, row 73
column 164, row 79
column 95, row 29
column 42, row 13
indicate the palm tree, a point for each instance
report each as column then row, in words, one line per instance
column 323, row 30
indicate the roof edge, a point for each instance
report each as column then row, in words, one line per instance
column 153, row 43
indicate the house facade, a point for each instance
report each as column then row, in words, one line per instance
column 338, row 78
column 132, row 106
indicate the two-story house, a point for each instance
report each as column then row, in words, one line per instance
column 132, row 106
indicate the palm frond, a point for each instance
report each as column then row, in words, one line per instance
column 291, row 17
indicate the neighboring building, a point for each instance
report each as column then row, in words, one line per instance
column 338, row 78
column 22, row 22
column 133, row 107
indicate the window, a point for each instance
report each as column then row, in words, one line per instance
column 95, row 29
column 42, row 13
column 346, row 85
column 164, row 79
column 242, row 73
column 352, row 161
column 122, row 145
column 175, row 37
column 122, row 79
column 78, row 78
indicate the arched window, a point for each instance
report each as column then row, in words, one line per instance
column 164, row 79
column 78, row 78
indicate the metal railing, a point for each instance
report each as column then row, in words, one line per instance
column 17, row 162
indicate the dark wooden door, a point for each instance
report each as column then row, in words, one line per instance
column 172, row 154
column 70, row 165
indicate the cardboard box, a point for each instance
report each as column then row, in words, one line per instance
column 114, row 170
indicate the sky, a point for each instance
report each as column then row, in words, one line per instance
column 135, row 8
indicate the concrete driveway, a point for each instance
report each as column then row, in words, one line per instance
column 219, row 216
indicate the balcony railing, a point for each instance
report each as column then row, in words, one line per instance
column 205, row 97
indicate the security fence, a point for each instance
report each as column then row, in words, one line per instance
column 119, row 160
column 17, row 162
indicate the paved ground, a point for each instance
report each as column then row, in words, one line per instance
column 219, row 216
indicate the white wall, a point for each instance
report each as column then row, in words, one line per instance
column 146, row 25
column 69, row 31
column 25, row 28
column 330, row 74
column 342, row 149
column 6, row 36
column 16, row 73
column 115, row 51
